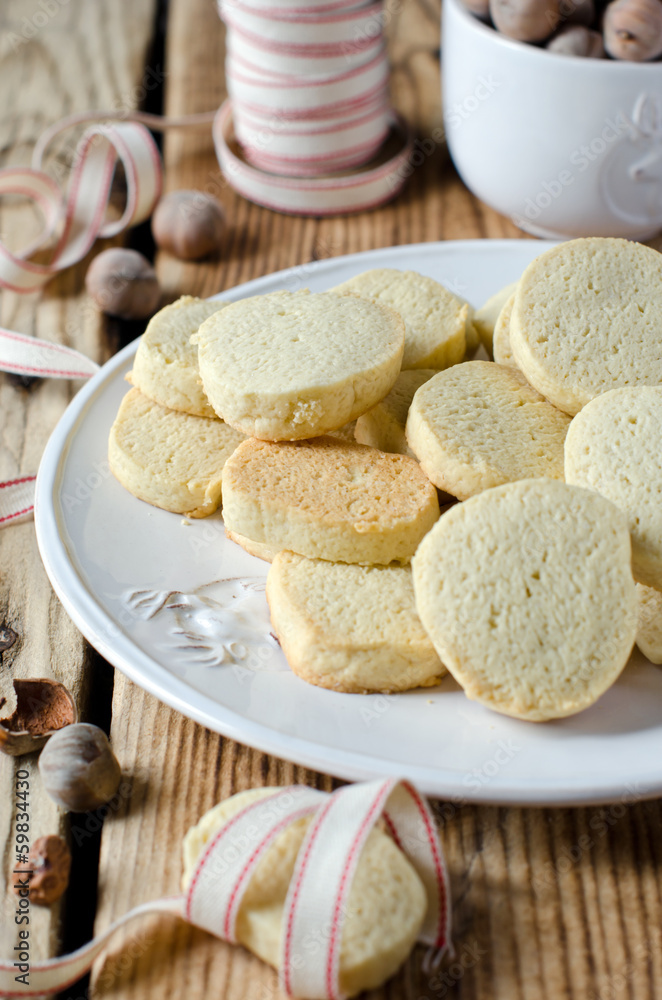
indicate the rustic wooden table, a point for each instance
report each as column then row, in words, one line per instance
column 549, row 903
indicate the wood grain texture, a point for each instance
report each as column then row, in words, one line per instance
column 104, row 62
column 549, row 904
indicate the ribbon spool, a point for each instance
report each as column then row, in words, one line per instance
column 315, row 907
column 340, row 143
column 308, row 84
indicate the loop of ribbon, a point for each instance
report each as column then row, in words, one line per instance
column 82, row 214
column 76, row 221
column 318, row 891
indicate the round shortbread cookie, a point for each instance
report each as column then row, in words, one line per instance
column 479, row 425
column 649, row 635
column 471, row 336
column 165, row 367
column 350, row 628
column 384, row 425
column 484, row 319
column 258, row 549
column 435, row 319
column 327, row 499
column 385, row 907
column 528, row 596
column 501, row 349
column 288, row 365
column 586, row 319
column 346, row 432
column 613, row 447
column 167, row 458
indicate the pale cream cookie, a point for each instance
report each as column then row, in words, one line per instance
column 327, row 499
column 649, row 636
column 350, row 628
column 480, row 424
column 345, row 433
column 435, row 319
column 527, row 593
column 288, row 366
column 484, row 319
column 586, row 319
column 501, row 349
column 165, row 367
column 613, row 447
column 168, row 458
column 385, row 906
column 471, row 336
column 383, row 426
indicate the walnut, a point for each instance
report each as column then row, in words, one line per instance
column 43, row 706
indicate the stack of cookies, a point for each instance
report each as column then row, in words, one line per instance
column 328, row 422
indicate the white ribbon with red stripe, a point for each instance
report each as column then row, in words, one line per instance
column 316, row 67
column 312, row 31
column 16, row 500
column 81, row 215
column 319, row 889
column 74, row 223
column 28, row 356
column 314, row 195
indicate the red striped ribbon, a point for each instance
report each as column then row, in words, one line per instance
column 73, row 222
column 315, row 907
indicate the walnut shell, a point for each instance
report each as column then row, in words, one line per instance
column 43, row 707
column 47, row 870
column 188, row 224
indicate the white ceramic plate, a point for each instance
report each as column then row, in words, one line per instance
column 182, row 611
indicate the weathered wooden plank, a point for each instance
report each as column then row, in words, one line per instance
column 548, row 903
column 55, row 58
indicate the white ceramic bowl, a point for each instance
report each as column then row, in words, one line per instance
column 566, row 146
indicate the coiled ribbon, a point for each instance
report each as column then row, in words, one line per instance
column 79, row 219
column 318, row 891
column 309, row 90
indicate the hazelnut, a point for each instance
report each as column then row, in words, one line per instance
column 47, row 869
column 188, row 224
column 123, row 283
column 633, row 29
column 43, row 706
column 576, row 40
column 526, row 20
column 79, row 770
